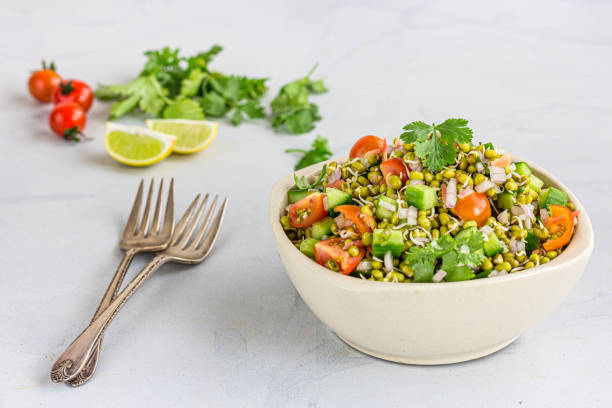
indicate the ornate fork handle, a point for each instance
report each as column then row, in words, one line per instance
column 73, row 360
column 111, row 292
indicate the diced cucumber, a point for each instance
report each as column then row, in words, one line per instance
column 492, row 245
column 523, row 169
column 535, row 183
column 381, row 211
column 307, row 246
column 505, row 200
column 294, row 195
column 322, row 228
column 531, row 242
column 337, row 197
column 387, row 240
column 552, row 196
column 465, row 234
column 421, row 196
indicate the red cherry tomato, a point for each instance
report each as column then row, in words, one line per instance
column 307, row 211
column 396, row 167
column 561, row 223
column 42, row 83
column 363, row 222
column 71, row 90
column 473, row 207
column 331, row 254
column 367, row 144
column 68, row 120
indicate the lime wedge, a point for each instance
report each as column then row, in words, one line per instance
column 137, row 146
column 192, row 135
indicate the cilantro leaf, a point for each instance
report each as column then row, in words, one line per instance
column 423, row 271
column 302, row 183
column 435, row 144
column 455, row 270
column 291, row 107
column 185, row 109
column 175, row 86
column 319, row 152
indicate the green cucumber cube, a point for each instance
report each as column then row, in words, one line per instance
column 535, row 183
column 337, row 197
column 505, row 200
column 387, row 240
column 322, row 228
column 552, row 196
column 523, row 169
column 492, row 245
column 421, row 196
column 381, row 211
column 307, row 246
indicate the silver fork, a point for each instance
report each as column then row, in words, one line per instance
column 188, row 245
column 143, row 235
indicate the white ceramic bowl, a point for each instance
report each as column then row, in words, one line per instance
column 432, row 323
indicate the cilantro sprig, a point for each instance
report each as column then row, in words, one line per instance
column 291, row 107
column 319, row 152
column 435, row 144
column 178, row 87
column 458, row 258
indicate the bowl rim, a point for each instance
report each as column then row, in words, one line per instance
column 583, row 246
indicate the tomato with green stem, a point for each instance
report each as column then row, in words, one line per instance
column 307, row 211
column 71, row 90
column 363, row 222
column 561, row 225
column 68, row 120
column 473, row 207
column 43, row 82
column 332, row 254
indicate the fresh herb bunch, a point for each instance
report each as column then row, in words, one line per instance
column 319, row 152
column 459, row 257
column 174, row 86
column 435, row 144
column 292, row 108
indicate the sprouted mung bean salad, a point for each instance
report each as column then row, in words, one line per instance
column 430, row 207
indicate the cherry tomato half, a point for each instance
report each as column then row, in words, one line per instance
column 367, row 144
column 71, row 90
column 68, row 120
column 331, row 254
column 560, row 223
column 474, row 206
column 307, row 211
column 363, row 222
column 42, row 83
column 396, row 167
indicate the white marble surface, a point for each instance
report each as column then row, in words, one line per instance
column 531, row 76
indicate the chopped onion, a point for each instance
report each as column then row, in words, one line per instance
column 402, row 213
column 325, row 203
column 484, row 186
column 416, row 182
column 439, row 275
column 335, row 176
column 528, row 210
column 451, row 193
column 544, row 214
column 364, row 266
column 498, row 174
column 503, row 217
column 465, row 192
column 516, row 210
column 386, row 205
column 480, row 167
column 388, row 261
column 486, row 230
column 517, row 246
column 339, row 220
column 411, row 219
